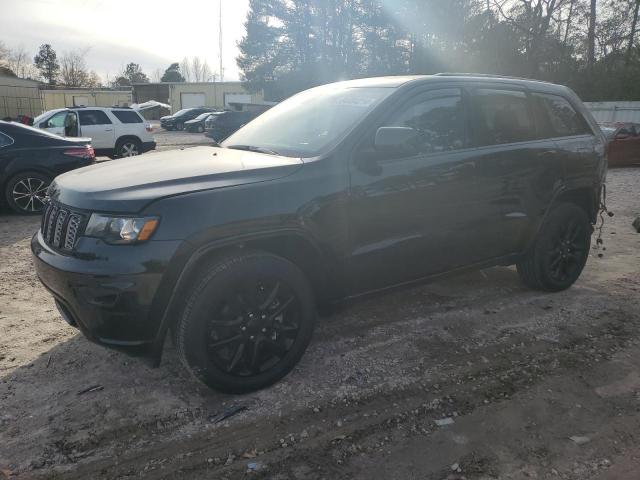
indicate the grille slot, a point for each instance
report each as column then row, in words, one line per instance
column 60, row 226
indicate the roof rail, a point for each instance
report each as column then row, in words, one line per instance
column 486, row 75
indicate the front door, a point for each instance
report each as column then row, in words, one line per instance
column 61, row 124
column 96, row 125
column 413, row 214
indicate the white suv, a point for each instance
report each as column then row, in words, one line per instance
column 114, row 131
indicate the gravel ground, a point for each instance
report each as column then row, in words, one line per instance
column 473, row 377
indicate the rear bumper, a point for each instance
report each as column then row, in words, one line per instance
column 110, row 296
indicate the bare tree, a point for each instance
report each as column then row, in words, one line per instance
column 196, row 69
column 532, row 18
column 156, row 75
column 185, row 68
column 73, row 68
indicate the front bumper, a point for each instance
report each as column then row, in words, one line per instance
column 108, row 291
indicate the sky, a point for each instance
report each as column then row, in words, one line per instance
column 152, row 33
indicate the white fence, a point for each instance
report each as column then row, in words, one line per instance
column 609, row 112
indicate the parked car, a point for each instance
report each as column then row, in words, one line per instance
column 114, row 131
column 624, row 144
column 339, row 191
column 31, row 158
column 221, row 125
column 197, row 124
column 178, row 119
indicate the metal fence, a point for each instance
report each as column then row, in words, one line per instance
column 612, row 112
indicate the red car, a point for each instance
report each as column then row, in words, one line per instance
column 624, row 144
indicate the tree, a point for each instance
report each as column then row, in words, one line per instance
column 632, row 34
column 185, row 69
column 591, row 53
column 46, row 61
column 132, row 74
column 73, row 69
column 172, row 74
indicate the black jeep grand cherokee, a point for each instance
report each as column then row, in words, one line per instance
column 341, row 190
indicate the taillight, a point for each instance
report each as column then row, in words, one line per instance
column 81, row 152
column 148, row 127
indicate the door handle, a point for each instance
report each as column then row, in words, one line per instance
column 108, row 129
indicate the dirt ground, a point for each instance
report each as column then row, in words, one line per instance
column 473, row 377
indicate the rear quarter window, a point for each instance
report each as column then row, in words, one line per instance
column 126, row 116
column 558, row 118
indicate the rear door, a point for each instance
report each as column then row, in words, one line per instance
column 517, row 167
column 96, row 125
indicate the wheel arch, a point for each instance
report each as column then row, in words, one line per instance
column 294, row 246
column 126, row 137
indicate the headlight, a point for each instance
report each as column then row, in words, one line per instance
column 121, row 230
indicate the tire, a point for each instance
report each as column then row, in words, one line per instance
column 200, row 129
column 179, row 126
column 247, row 322
column 128, row 147
column 560, row 251
column 25, row 192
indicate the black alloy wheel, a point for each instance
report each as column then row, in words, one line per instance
column 247, row 322
column 254, row 327
column 560, row 251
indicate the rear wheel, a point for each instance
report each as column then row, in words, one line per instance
column 560, row 252
column 26, row 192
column 128, row 148
column 247, row 323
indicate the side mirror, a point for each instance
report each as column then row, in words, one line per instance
column 394, row 139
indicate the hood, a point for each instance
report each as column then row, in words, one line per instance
column 129, row 184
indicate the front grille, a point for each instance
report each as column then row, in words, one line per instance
column 60, row 226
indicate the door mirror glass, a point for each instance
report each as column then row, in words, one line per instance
column 394, row 139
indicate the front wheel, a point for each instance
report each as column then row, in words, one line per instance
column 247, row 323
column 560, row 252
column 200, row 129
column 26, row 192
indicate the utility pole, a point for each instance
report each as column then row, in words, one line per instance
column 220, row 41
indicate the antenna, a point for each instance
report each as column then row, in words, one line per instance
column 220, row 41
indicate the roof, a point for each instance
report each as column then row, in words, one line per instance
column 15, row 81
column 397, row 81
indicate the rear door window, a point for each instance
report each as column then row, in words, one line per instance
column 127, row 116
column 558, row 117
column 438, row 120
column 93, row 117
column 501, row 117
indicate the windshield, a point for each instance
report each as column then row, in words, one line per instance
column 310, row 122
column 180, row 112
column 202, row 116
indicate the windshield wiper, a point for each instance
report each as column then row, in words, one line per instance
column 252, row 148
